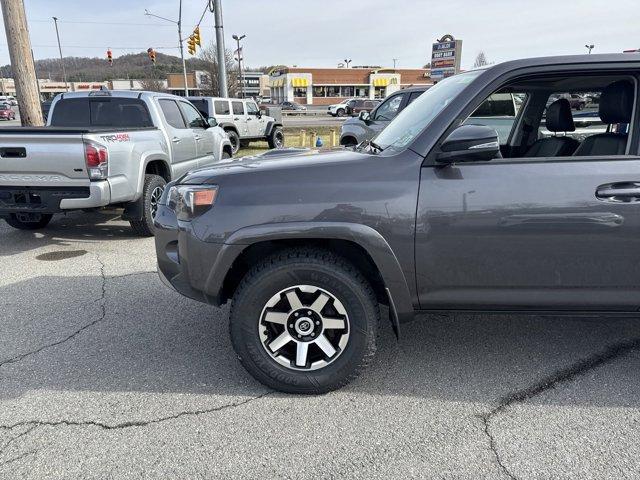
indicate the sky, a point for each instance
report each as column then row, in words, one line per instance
column 324, row 32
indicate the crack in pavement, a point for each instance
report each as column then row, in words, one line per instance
column 19, row 457
column 33, row 424
column 564, row 375
column 103, row 313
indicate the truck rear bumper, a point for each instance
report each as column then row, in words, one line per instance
column 15, row 199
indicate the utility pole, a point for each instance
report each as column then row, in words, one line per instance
column 184, row 64
column 22, row 64
column 64, row 72
column 222, row 61
column 179, row 24
column 239, row 52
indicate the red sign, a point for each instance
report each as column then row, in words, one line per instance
column 450, row 62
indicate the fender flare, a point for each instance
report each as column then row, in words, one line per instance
column 270, row 126
column 370, row 240
column 230, row 126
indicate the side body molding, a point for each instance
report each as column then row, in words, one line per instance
column 366, row 237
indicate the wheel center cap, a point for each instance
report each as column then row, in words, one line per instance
column 304, row 326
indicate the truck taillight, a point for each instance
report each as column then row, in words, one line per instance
column 97, row 159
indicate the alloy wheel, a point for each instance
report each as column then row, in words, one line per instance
column 155, row 198
column 304, row 327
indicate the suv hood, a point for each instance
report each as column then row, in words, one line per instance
column 286, row 158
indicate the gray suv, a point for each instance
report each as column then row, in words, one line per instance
column 367, row 125
column 242, row 120
column 435, row 214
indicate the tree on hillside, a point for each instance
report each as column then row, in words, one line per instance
column 481, row 60
column 209, row 58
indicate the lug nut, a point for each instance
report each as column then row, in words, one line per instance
column 299, row 336
column 291, row 325
column 296, row 314
column 317, row 322
column 308, row 312
column 313, row 334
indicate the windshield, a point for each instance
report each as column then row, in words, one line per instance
column 416, row 116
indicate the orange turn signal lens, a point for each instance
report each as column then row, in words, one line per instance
column 204, row 198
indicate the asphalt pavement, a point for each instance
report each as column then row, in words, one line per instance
column 106, row 373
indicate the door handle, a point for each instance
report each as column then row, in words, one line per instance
column 176, row 140
column 236, row 119
column 197, row 137
column 619, row 192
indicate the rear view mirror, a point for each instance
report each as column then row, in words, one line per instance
column 470, row 143
column 364, row 116
column 212, row 122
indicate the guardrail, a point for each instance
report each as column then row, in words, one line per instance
column 313, row 112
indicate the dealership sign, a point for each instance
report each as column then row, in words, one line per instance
column 445, row 57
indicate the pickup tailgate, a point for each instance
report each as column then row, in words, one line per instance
column 47, row 157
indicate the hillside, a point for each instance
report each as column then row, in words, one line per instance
column 132, row 66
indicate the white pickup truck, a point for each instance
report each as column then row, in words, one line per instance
column 116, row 148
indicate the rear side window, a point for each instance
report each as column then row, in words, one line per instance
column 238, row 108
column 222, row 107
column 101, row 112
column 413, row 96
column 172, row 113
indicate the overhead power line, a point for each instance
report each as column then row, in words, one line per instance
column 93, row 22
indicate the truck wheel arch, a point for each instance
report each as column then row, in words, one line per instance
column 270, row 126
column 360, row 244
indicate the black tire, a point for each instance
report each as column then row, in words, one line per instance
column 244, row 143
column 152, row 185
column 234, row 138
column 226, row 155
column 276, row 139
column 317, row 268
column 348, row 142
column 340, row 112
column 38, row 220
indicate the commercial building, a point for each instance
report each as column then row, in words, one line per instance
column 49, row 89
column 255, row 84
column 324, row 86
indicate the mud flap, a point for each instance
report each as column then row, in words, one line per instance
column 133, row 210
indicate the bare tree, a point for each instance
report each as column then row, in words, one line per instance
column 481, row 60
column 152, row 85
column 210, row 59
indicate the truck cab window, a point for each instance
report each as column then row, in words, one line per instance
column 191, row 115
column 172, row 113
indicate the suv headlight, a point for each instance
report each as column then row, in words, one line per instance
column 190, row 201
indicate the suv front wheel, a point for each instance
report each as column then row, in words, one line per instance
column 276, row 139
column 304, row 321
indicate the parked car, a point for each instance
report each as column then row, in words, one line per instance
column 434, row 214
column 577, row 102
column 7, row 113
column 116, row 148
column 292, row 106
column 242, row 120
column 366, row 125
column 364, row 105
column 345, row 107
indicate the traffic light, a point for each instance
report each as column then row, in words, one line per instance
column 191, row 45
column 196, row 36
column 110, row 57
column 152, row 55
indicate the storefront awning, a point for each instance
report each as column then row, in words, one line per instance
column 380, row 82
column 299, row 82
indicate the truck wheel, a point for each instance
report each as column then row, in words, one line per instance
column 340, row 112
column 151, row 193
column 304, row 321
column 234, row 138
column 28, row 221
column 276, row 139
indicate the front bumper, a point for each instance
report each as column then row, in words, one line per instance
column 18, row 199
column 192, row 267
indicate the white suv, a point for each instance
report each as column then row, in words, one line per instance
column 242, row 120
column 341, row 109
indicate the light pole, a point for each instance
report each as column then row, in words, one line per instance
column 64, row 72
column 179, row 24
column 239, row 52
column 347, row 62
column 395, row 61
column 589, row 47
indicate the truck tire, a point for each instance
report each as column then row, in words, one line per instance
column 234, row 138
column 37, row 221
column 276, row 139
column 304, row 321
column 151, row 193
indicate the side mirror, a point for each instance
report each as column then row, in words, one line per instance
column 470, row 143
column 364, row 116
column 212, row 122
